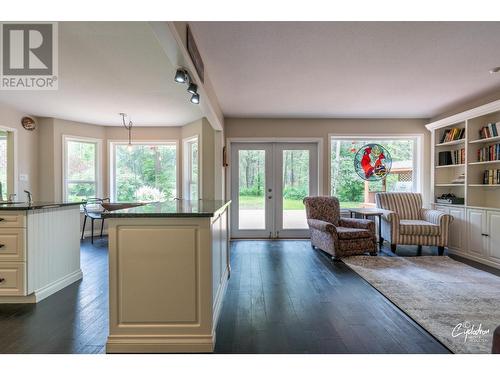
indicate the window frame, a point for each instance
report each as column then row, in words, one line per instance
column 98, row 163
column 417, row 153
column 112, row 165
column 188, row 166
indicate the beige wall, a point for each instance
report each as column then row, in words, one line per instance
column 467, row 104
column 321, row 128
column 27, row 150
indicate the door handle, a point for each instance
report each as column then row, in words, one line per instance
column 270, row 197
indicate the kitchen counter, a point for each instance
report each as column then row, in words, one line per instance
column 174, row 208
column 24, row 206
column 169, row 264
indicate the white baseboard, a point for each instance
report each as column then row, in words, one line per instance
column 57, row 285
column 160, row 344
column 46, row 291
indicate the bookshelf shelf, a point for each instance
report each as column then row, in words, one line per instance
column 446, row 185
column 451, row 143
column 451, row 165
column 485, row 185
column 484, row 162
column 485, row 140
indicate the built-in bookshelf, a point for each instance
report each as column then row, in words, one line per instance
column 466, row 158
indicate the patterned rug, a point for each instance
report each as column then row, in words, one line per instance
column 458, row 304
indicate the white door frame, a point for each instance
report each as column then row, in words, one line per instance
column 317, row 140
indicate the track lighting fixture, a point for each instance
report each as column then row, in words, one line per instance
column 195, row 99
column 182, row 76
column 193, row 88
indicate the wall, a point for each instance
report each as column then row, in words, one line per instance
column 467, row 104
column 320, row 128
column 27, row 150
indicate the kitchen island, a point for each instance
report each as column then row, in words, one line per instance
column 39, row 249
column 168, row 272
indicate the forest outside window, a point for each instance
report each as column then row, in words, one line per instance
column 143, row 172
column 81, row 168
column 353, row 191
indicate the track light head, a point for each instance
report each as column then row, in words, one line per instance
column 193, row 88
column 181, row 76
column 195, row 99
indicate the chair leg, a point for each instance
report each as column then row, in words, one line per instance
column 419, row 249
column 393, row 247
column 84, row 222
column 102, row 226
column 373, row 253
column 336, row 258
column 440, row 250
column 92, row 230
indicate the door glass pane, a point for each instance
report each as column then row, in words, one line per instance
column 252, row 201
column 295, row 188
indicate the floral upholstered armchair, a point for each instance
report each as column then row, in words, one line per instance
column 405, row 222
column 338, row 236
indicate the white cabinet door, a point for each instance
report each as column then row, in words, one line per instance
column 494, row 235
column 476, row 228
column 456, row 235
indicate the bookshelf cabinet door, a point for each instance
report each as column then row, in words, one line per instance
column 494, row 235
column 476, row 230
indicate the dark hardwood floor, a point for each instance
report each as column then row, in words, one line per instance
column 283, row 297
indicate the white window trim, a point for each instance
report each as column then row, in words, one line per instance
column 417, row 153
column 112, row 166
column 98, row 162
column 187, row 166
column 15, row 166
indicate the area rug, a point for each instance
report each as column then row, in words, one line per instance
column 458, row 304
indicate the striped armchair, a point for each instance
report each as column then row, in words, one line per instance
column 405, row 222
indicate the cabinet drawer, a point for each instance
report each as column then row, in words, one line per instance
column 12, row 244
column 12, row 220
column 12, row 279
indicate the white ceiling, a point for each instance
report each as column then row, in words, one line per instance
column 348, row 69
column 106, row 68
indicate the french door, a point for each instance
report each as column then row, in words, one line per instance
column 268, row 183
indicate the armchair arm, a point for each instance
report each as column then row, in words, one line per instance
column 357, row 223
column 435, row 217
column 321, row 225
column 390, row 216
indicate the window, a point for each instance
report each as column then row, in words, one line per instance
column 191, row 168
column 143, row 172
column 353, row 191
column 3, row 165
column 81, row 168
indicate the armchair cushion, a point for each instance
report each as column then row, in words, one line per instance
column 357, row 223
column 352, row 233
column 419, row 228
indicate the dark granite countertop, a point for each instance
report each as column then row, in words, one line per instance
column 174, row 208
column 25, row 206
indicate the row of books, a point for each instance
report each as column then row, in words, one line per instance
column 453, row 134
column 491, row 177
column 489, row 153
column 489, row 130
column 452, row 157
